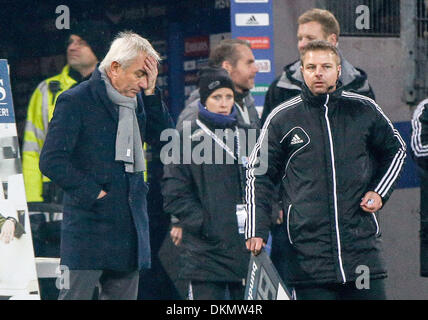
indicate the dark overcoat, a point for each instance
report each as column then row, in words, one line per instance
column 111, row 233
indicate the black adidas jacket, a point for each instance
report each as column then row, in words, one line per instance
column 327, row 151
column 419, row 144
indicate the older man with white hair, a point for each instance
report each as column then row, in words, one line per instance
column 94, row 151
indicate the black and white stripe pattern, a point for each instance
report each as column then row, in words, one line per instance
column 418, row 148
column 250, row 190
column 397, row 163
column 334, row 180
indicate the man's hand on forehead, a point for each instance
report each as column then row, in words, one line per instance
column 151, row 68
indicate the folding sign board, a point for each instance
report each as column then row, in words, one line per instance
column 263, row 281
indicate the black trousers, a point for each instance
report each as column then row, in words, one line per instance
column 112, row 285
column 207, row 290
column 348, row 291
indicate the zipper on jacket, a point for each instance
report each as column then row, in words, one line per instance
column 377, row 224
column 288, row 224
column 336, row 215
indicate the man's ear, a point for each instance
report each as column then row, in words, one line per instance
column 114, row 68
column 339, row 71
column 227, row 65
column 332, row 38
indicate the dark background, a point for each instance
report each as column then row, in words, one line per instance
column 35, row 48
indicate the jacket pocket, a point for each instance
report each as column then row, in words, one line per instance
column 288, row 224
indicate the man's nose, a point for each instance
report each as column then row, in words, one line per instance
column 72, row 46
column 255, row 68
column 318, row 71
column 142, row 83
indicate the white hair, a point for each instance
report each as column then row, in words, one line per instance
column 125, row 48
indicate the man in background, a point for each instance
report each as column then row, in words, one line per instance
column 237, row 58
column 86, row 46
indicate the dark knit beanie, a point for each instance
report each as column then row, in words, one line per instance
column 211, row 79
column 95, row 33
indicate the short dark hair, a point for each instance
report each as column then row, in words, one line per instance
column 320, row 45
column 226, row 50
column 325, row 18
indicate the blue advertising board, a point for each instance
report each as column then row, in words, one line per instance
column 6, row 105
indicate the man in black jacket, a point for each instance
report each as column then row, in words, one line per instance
column 420, row 154
column 337, row 157
column 315, row 24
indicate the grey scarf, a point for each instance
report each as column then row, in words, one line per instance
column 129, row 147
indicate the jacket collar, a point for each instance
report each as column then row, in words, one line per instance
column 320, row 100
column 65, row 78
column 98, row 88
column 76, row 75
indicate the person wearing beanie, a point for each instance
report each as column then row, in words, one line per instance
column 209, row 231
column 86, row 43
column 211, row 79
